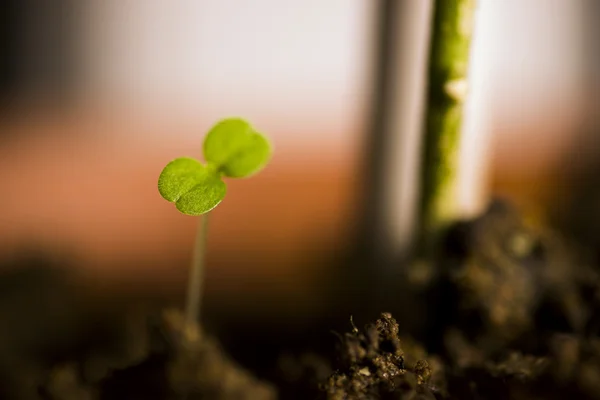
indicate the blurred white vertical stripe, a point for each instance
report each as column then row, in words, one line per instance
column 526, row 91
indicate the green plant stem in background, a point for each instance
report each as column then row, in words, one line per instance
column 447, row 88
column 195, row 282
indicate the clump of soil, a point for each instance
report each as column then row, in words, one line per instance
column 373, row 364
column 505, row 278
column 181, row 362
column 376, row 363
column 199, row 368
column 515, row 315
column 56, row 344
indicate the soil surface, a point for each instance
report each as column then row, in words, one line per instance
column 509, row 310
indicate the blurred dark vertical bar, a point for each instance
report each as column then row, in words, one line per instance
column 372, row 223
column 38, row 48
column 394, row 131
column 581, row 217
column 394, row 137
column 9, row 49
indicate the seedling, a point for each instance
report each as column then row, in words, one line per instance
column 233, row 149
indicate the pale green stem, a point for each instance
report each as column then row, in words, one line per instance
column 195, row 282
column 447, row 89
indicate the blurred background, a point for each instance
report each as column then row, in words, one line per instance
column 97, row 96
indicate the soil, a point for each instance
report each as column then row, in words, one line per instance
column 509, row 310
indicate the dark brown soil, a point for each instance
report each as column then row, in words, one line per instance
column 507, row 310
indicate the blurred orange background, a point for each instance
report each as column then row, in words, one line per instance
column 79, row 171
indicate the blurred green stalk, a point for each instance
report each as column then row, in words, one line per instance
column 452, row 29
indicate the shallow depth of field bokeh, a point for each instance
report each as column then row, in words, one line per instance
column 97, row 96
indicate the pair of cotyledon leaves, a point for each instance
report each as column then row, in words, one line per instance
column 232, row 148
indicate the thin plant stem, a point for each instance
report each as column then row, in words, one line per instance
column 446, row 94
column 195, row 281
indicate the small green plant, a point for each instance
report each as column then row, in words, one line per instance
column 233, row 149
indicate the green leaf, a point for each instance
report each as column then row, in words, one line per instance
column 192, row 186
column 236, row 149
column 179, row 177
column 203, row 197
